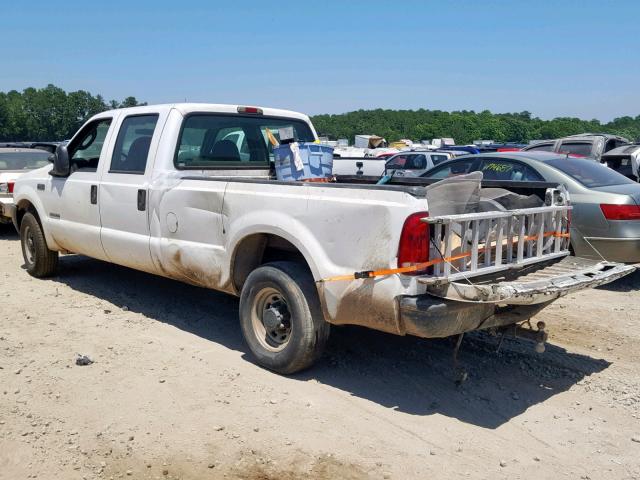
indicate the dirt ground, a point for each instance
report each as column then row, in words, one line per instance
column 172, row 393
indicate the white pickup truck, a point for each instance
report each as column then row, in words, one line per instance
column 187, row 191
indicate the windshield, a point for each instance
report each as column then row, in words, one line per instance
column 23, row 160
column 588, row 172
column 219, row 141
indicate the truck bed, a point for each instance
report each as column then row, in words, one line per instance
column 521, row 188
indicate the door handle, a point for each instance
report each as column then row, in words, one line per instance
column 94, row 194
column 142, row 200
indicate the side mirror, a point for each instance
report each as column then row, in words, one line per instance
column 61, row 165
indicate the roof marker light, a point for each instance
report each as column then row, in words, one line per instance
column 252, row 110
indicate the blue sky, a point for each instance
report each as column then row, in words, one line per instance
column 553, row 58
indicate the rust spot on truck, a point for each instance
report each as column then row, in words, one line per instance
column 201, row 274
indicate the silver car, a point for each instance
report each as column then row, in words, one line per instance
column 605, row 220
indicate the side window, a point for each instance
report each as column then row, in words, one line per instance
column 85, row 149
column 544, row 147
column 417, row 162
column 132, row 145
column 507, row 170
column 454, row 168
column 397, row 162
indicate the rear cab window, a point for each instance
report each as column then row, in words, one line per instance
column 581, row 149
column 542, row 147
column 218, row 141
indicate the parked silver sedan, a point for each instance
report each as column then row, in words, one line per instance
column 605, row 220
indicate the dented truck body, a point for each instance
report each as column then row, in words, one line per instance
column 212, row 223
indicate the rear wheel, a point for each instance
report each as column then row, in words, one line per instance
column 39, row 260
column 281, row 317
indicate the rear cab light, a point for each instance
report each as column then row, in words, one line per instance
column 620, row 212
column 413, row 248
column 250, row 110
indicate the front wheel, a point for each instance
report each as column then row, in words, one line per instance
column 39, row 260
column 281, row 317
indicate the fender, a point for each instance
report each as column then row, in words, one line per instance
column 276, row 223
column 27, row 194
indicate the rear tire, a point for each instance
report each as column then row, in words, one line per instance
column 281, row 318
column 40, row 262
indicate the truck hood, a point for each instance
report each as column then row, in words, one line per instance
column 631, row 189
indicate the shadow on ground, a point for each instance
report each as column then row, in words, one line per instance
column 407, row 374
column 630, row 283
column 7, row 232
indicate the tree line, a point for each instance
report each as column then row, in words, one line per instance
column 465, row 126
column 50, row 113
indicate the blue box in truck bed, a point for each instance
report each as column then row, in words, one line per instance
column 314, row 161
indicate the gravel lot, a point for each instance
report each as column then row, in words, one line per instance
column 172, row 393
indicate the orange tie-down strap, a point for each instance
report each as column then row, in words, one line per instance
column 422, row 266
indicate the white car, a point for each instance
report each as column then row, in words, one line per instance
column 415, row 163
column 186, row 191
column 13, row 163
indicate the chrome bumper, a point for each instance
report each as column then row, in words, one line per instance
column 540, row 284
column 458, row 307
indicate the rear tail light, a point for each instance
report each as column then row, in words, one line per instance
column 252, row 110
column 620, row 212
column 10, row 185
column 414, row 241
column 6, row 187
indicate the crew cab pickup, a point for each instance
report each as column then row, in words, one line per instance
column 187, row 191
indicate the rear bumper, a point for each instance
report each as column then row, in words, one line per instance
column 7, row 210
column 431, row 317
column 455, row 308
column 625, row 250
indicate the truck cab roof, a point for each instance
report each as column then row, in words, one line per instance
column 188, row 108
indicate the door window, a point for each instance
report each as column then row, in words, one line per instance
column 132, row 146
column 397, row 162
column 508, row 170
column 417, row 162
column 84, row 150
column 453, row 168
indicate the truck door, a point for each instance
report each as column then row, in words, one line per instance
column 74, row 215
column 124, row 191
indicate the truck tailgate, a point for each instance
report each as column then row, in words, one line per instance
column 538, row 284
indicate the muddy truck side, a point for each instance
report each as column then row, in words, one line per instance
column 187, row 191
